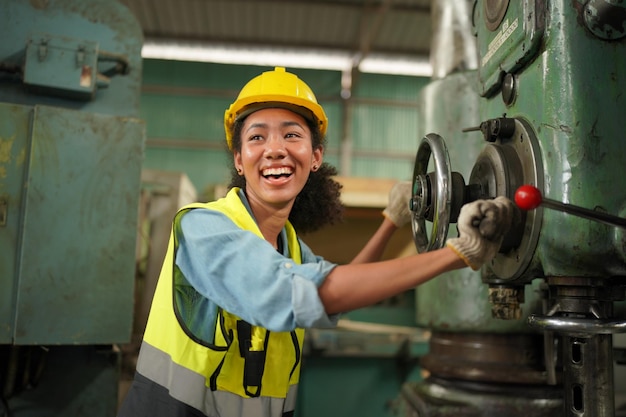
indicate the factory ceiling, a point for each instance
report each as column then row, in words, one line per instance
column 358, row 28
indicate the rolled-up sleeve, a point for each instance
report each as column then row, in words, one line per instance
column 246, row 276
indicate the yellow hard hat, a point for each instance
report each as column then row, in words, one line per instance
column 277, row 88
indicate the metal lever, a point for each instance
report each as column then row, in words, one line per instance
column 492, row 129
column 582, row 326
column 528, row 197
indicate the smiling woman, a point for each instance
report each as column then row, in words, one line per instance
column 318, row 204
column 276, row 157
column 238, row 286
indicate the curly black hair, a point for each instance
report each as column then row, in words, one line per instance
column 319, row 202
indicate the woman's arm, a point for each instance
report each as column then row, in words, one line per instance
column 482, row 225
column 353, row 286
column 374, row 248
column 395, row 215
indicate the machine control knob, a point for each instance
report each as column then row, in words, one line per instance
column 493, row 129
column 528, row 197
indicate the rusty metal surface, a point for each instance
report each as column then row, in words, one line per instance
column 508, row 359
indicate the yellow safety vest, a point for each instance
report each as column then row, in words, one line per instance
column 249, row 361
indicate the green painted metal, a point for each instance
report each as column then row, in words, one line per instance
column 71, row 150
column 458, row 301
column 76, row 257
column 70, row 162
column 14, row 150
column 70, row 179
column 571, row 91
column 541, row 64
column 446, row 107
column 512, row 42
column 103, row 27
column 351, row 386
column 61, row 66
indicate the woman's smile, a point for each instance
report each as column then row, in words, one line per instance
column 277, row 173
column 276, row 155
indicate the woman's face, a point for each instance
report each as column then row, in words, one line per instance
column 276, row 156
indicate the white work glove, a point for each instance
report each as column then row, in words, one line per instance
column 397, row 209
column 482, row 225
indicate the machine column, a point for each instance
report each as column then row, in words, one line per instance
column 588, row 376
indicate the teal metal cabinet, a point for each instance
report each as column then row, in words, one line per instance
column 70, row 182
column 14, row 131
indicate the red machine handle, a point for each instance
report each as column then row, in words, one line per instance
column 528, row 197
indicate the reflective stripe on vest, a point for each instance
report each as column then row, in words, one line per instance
column 202, row 375
column 189, row 389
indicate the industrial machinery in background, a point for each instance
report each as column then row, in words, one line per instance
column 525, row 93
column 71, row 150
column 162, row 194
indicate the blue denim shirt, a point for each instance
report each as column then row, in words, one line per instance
column 242, row 273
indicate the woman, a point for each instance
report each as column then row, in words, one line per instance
column 238, row 287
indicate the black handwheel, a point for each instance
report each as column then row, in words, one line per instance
column 432, row 195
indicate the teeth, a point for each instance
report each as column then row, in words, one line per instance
column 277, row 171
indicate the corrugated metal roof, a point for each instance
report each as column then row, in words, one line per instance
column 356, row 26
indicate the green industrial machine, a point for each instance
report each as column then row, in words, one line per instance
column 71, row 149
column 536, row 98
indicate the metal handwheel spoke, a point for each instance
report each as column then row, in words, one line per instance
column 432, row 194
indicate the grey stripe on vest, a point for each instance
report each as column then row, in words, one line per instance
column 189, row 387
column 183, row 384
column 229, row 404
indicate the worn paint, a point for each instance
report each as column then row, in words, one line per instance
column 605, row 20
column 84, row 172
column 39, row 4
column 6, row 144
column 572, row 95
column 110, row 24
column 70, row 172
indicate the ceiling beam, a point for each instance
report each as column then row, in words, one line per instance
column 399, row 5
